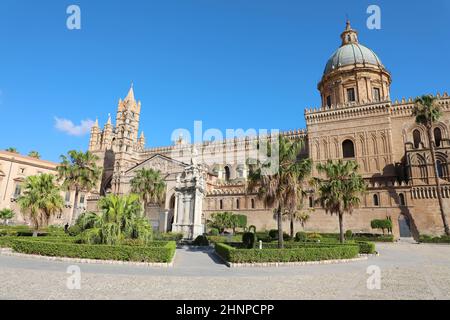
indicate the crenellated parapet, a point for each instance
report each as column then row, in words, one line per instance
column 346, row 111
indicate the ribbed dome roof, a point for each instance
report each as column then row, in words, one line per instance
column 352, row 54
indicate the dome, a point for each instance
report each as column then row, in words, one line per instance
column 350, row 54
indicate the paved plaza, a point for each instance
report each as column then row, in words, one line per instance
column 408, row 271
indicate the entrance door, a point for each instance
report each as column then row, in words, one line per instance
column 405, row 227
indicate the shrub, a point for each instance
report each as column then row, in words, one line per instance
column 434, row 239
column 348, row 234
column 214, row 231
column 314, row 236
column 249, row 240
column 169, row 236
column 74, row 230
column 241, row 221
column 230, row 238
column 201, row 241
column 91, row 236
column 263, row 236
column 385, row 224
column 366, row 247
column 373, row 237
column 298, row 254
column 301, row 237
column 161, row 252
column 273, row 233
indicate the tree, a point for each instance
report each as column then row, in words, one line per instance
column 41, row 199
column 282, row 189
column 12, row 150
column 150, row 187
column 427, row 113
column 122, row 219
column 339, row 191
column 34, row 154
column 78, row 171
column 222, row 221
column 300, row 216
column 6, row 214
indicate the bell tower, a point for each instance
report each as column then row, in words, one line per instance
column 127, row 123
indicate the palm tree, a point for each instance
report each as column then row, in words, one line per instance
column 41, row 199
column 122, row 219
column 150, row 187
column 79, row 172
column 283, row 189
column 427, row 113
column 339, row 192
column 297, row 215
column 6, row 214
column 12, row 150
column 34, row 154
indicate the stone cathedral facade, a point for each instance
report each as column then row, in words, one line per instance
column 356, row 121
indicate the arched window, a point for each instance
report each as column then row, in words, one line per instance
column 402, row 199
column 440, row 169
column 438, row 136
column 221, row 204
column 227, row 173
column 417, row 138
column 253, row 203
column 376, row 201
column 311, row 202
column 348, row 149
column 238, row 204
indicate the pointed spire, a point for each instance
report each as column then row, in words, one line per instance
column 142, row 135
column 109, row 119
column 130, row 95
column 96, row 123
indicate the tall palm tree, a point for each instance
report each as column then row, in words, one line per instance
column 12, row 150
column 41, row 199
column 283, row 189
column 296, row 215
column 78, row 171
column 427, row 113
column 150, row 187
column 34, row 154
column 339, row 191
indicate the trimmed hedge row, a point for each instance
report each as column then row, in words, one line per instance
column 299, row 254
column 434, row 239
column 364, row 247
column 233, row 238
column 153, row 252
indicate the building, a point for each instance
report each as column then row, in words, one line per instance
column 357, row 121
column 14, row 169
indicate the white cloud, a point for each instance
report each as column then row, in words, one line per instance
column 68, row 127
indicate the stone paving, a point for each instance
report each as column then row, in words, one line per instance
column 408, row 271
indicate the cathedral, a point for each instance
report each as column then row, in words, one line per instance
column 357, row 120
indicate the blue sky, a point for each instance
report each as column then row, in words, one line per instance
column 231, row 64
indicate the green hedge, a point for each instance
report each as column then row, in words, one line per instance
column 374, row 238
column 234, row 238
column 364, row 246
column 153, row 252
column 434, row 239
column 298, row 254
